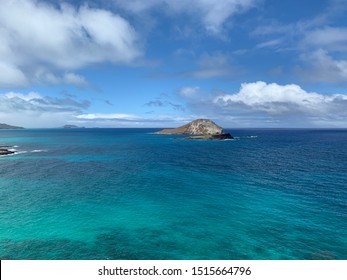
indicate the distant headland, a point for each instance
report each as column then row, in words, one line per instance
column 67, row 126
column 203, row 129
column 7, row 126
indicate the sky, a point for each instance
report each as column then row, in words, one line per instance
column 163, row 63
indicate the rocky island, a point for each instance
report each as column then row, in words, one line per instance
column 67, row 126
column 203, row 129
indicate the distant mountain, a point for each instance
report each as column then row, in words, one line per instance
column 71, row 126
column 197, row 127
column 7, row 126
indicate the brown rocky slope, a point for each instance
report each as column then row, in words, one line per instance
column 199, row 126
column 204, row 129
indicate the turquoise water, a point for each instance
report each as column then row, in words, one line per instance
column 130, row 194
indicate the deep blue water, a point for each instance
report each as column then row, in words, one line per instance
column 130, row 194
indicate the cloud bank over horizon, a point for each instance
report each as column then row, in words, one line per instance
column 256, row 104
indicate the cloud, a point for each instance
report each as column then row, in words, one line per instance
column 12, row 76
column 35, row 110
column 329, row 38
column 35, row 102
column 321, row 67
column 206, row 66
column 270, row 43
column 68, row 78
column 37, row 37
column 102, row 116
column 189, row 92
column 130, row 120
column 210, row 66
column 284, row 102
column 211, row 14
column 317, row 45
column 163, row 102
column 155, row 103
column 74, row 79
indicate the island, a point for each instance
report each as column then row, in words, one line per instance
column 67, row 126
column 7, row 126
column 203, row 129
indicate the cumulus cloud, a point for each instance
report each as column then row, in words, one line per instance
column 211, row 14
column 284, row 103
column 38, row 37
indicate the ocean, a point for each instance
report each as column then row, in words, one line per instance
column 129, row 194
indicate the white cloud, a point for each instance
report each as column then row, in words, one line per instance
column 10, row 75
column 69, row 78
column 270, row 43
column 320, row 67
column 210, row 13
column 284, row 103
column 37, row 37
column 189, row 92
column 35, row 110
column 212, row 66
column 329, row 38
column 102, row 116
column 130, row 120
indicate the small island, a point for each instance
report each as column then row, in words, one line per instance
column 201, row 129
column 68, row 126
column 7, row 126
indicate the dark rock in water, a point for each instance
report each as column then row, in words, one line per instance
column 4, row 152
column 222, row 136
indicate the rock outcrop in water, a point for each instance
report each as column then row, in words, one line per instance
column 203, row 129
column 222, row 136
column 4, row 152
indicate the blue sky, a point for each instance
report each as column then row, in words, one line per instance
column 162, row 63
